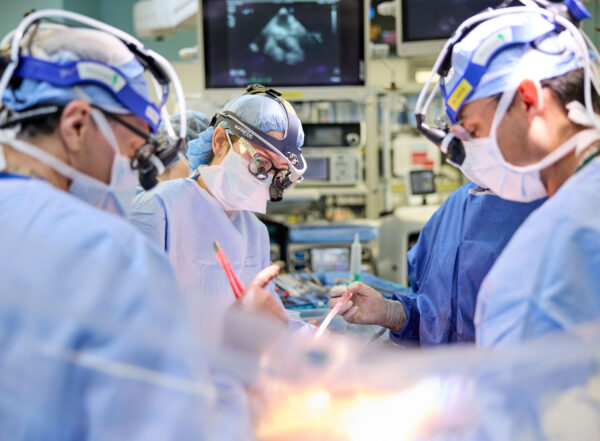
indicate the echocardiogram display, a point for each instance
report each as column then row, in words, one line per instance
column 283, row 43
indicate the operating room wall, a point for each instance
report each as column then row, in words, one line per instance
column 12, row 11
column 87, row 7
column 590, row 26
column 118, row 13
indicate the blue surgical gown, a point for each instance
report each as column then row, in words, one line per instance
column 88, row 325
column 548, row 277
column 455, row 251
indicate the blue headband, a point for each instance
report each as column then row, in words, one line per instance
column 92, row 72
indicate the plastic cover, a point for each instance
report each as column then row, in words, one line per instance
column 71, row 374
column 339, row 389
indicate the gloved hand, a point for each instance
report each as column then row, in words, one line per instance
column 368, row 307
column 257, row 299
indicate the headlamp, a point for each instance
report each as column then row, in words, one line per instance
column 285, row 147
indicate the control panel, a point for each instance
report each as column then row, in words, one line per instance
column 333, row 168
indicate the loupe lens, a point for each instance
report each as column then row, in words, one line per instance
column 260, row 166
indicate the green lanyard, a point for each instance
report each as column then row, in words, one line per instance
column 587, row 160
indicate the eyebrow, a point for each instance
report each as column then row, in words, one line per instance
column 268, row 153
column 463, row 117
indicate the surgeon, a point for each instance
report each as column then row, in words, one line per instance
column 455, row 251
column 250, row 154
column 521, row 91
column 197, row 122
column 94, row 344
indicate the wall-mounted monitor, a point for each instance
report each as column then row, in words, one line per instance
column 423, row 26
column 421, row 182
column 304, row 47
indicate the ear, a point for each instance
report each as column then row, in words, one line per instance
column 75, row 125
column 220, row 144
column 531, row 93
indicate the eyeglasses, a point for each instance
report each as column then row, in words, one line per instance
column 153, row 144
column 148, row 138
column 260, row 165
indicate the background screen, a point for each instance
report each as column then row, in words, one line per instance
column 329, row 259
column 422, row 182
column 317, row 168
column 424, row 20
column 283, row 43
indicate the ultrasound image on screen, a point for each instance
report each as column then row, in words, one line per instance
column 285, row 40
column 283, row 43
column 438, row 19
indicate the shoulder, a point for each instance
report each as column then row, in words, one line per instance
column 250, row 219
column 573, row 207
column 453, row 205
column 579, row 197
column 464, row 191
column 474, row 199
column 471, row 192
column 60, row 250
column 566, row 224
column 164, row 191
column 251, row 227
column 115, row 235
column 166, row 195
column 458, row 197
column 90, row 229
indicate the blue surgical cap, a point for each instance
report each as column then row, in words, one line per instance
column 261, row 111
column 555, row 55
column 63, row 45
column 197, row 122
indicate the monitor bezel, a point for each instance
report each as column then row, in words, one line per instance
column 292, row 93
column 420, row 48
column 425, row 48
column 412, row 191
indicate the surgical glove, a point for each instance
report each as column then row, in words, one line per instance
column 257, row 299
column 368, row 307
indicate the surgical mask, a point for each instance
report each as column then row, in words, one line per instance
column 485, row 165
column 116, row 197
column 234, row 187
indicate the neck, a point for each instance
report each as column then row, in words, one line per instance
column 202, row 184
column 20, row 163
column 555, row 175
column 179, row 170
